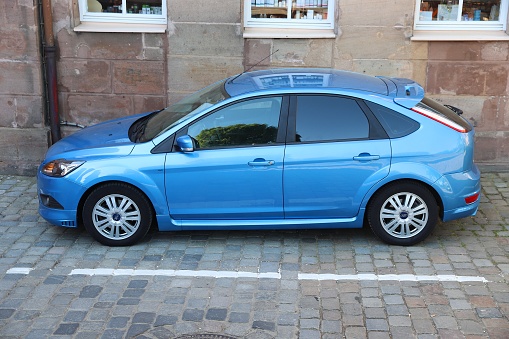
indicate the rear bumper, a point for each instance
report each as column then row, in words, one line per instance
column 457, row 187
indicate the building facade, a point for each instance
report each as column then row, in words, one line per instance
column 127, row 57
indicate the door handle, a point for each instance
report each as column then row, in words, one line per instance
column 366, row 157
column 261, row 162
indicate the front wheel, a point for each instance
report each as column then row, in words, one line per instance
column 403, row 213
column 117, row 214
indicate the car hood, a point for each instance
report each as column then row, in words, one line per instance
column 112, row 135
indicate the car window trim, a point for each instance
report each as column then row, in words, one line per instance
column 281, row 134
column 376, row 132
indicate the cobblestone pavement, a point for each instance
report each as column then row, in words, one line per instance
column 57, row 282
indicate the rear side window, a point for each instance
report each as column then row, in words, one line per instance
column 395, row 124
column 327, row 118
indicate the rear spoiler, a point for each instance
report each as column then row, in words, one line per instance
column 406, row 92
column 456, row 110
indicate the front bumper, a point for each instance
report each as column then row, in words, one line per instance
column 58, row 200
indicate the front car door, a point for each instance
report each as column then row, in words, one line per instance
column 335, row 153
column 235, row 171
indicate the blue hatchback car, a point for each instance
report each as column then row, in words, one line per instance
column 271, row 149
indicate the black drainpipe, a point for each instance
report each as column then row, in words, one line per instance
column 50, row 69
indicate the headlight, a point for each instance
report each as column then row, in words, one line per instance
column 60, row 167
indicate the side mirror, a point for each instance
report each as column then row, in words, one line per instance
column 185, row 143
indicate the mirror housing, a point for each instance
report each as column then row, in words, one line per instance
column 185, row 143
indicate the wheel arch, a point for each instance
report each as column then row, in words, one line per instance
column 432, row 190
column 86, row 194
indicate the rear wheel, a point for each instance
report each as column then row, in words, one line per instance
column 117, row 214
column 403, row 213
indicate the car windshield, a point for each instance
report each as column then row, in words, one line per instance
column 184, row 109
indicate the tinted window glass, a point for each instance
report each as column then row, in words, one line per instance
column 252, row 122
column 326, row 118
column 395, row 124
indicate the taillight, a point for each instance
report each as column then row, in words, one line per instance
column 439, row 118
column 472, row 198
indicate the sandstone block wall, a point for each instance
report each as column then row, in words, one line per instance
column 103, row 76
column 107, row 75
column 23, row 137
column 475, row 77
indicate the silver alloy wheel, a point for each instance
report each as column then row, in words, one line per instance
column 404, row 215
column 116, row 217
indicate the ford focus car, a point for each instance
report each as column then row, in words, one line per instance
column 272, row 149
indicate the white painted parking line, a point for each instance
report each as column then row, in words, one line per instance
column 391, row 277
column 19, row 270
column 176, row 273
column 276, row 275
column 266, row 275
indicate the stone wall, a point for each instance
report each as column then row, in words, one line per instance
column 373, row 37
column 23, row 137
column 205, row 44
column 103, row 76
column 475, row 77
column 108, row 75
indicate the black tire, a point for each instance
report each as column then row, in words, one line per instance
column 117, row 214
column 404, row 213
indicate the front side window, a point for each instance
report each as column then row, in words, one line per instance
column 123, row 11
column 248, row 123
column 328, row 118
column 304, row 14
column 461, row 14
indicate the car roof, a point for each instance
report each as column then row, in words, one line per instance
column 288, row 78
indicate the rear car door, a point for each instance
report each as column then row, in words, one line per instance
column 336, row 151
column 235, row 171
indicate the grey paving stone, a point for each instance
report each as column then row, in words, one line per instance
column 144, row 317
column 137, row 284
column 48, row 299
column 377, row 325
column 6, row 313
column 91, row 291
column 66, row 329
column 137, row 329
column 490, row 312
column 218, row 314
column 75, row 316
column 239, row 317
column 118, row 322
column 264, row 325
column 164, row 320
column 193, row 315
column 133, row 293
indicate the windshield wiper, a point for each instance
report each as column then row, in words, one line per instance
column 137, row 129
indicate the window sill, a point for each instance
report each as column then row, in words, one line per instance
column 116, row 27
column 460, row 36
column 282, row 33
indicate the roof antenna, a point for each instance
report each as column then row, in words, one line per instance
column 250, row 68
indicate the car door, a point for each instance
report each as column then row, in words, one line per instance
column 335, row 153
column 235, row 170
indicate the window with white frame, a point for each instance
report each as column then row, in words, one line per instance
column 461, row 15
column 298, row 14
column 123, row 11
